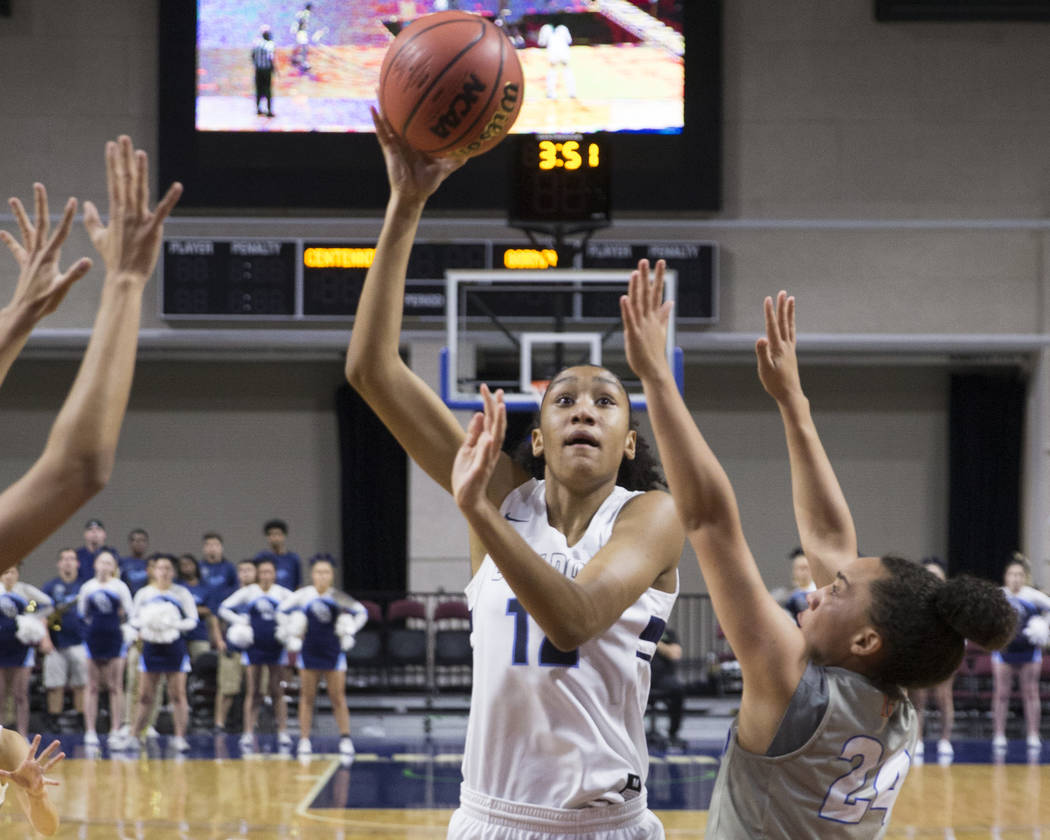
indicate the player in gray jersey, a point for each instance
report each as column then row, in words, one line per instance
column 825, row 733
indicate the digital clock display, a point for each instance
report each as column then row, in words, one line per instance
column 560, row 178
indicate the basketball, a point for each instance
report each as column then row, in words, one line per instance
column 451, row 84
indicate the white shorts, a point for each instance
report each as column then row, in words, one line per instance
column 482, row 817
column 66, row 666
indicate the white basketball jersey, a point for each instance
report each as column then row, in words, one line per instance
column 559, row 730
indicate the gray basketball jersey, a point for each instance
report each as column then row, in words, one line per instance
column 840, row 783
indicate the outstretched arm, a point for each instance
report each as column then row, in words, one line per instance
column 825, row 525
column 78, row 457
column 41, row 285
column 27, row 775
column 415, row 415
column 768, row 645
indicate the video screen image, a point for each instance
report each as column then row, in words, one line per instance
column 590, row 65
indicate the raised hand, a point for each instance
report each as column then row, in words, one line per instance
column 777, row 359
column 29, row 775
column 413, row 175
column 480, row 452
column 41, row 284
column 645, row 317
column 130, row 244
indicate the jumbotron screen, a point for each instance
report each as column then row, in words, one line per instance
column 616, row 66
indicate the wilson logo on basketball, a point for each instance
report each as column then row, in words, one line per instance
column 459, row 107
column 501, row 120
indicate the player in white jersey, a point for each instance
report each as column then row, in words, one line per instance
column 824, row 736
column 104, row 604
column 573, row 575
column 23, row 769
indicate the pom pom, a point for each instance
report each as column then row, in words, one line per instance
column 1037, row 631
column 159, row 622
column 131, row 635
column 291, row 627
column 345, row 628
column 30, row 630
column 240, row 636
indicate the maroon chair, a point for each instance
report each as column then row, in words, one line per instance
column 453, row 654
column 406, row 644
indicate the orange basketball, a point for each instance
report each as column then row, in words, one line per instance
column 451, row 84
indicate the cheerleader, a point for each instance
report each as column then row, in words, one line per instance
column 251, row 612
column 1023, row 654
column 162, row 613
column 319, row 623
column 21, row 608
column 104, row 605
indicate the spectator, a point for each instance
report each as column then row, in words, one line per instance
column 133, row 567
column 942, row 693
column 255, row 607
column 105, row 606
column 66, row 664
column 1023, row 655
column 231, row 671
column 666, row 682
column 162, row 613
column 287, row 563
column 217, row 573
column 322, row 635
column 94, row 542
column 206, row 635
column 21, row 608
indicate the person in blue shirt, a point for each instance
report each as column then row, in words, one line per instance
column 288, row 564
column 216, row 572
column 133, row 567
column 94, row 542
column 65, row 665
column 205, row 635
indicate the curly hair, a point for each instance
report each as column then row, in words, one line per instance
column 924, row 622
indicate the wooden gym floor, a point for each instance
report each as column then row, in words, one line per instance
column 398, row 791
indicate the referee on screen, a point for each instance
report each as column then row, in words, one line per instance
column 263, row 55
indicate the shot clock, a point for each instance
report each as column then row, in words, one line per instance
column 560, row 178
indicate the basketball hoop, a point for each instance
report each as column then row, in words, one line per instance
column 539, row 387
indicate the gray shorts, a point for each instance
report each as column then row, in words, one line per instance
column 66, row 666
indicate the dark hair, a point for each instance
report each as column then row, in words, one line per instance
column 264, row 558
column 192, row 559
column 640, row 473
column 211, row 535
column 276, row 523
column 249, row 561
column 160, row 555
column 134, row 531
column 795, row 552
column 322, row 557
column 924, row 622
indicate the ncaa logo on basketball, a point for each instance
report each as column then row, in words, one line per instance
column 461, row 105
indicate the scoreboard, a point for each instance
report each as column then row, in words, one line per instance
column 244, row 279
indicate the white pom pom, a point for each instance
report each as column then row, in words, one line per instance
column 131, row 635
column 291, row 627
column 345, row 628
column 241, row 636
column 159, row 622
column 1037, row 631
column 30, row 630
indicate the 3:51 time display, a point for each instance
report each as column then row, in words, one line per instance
column 568, row 154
